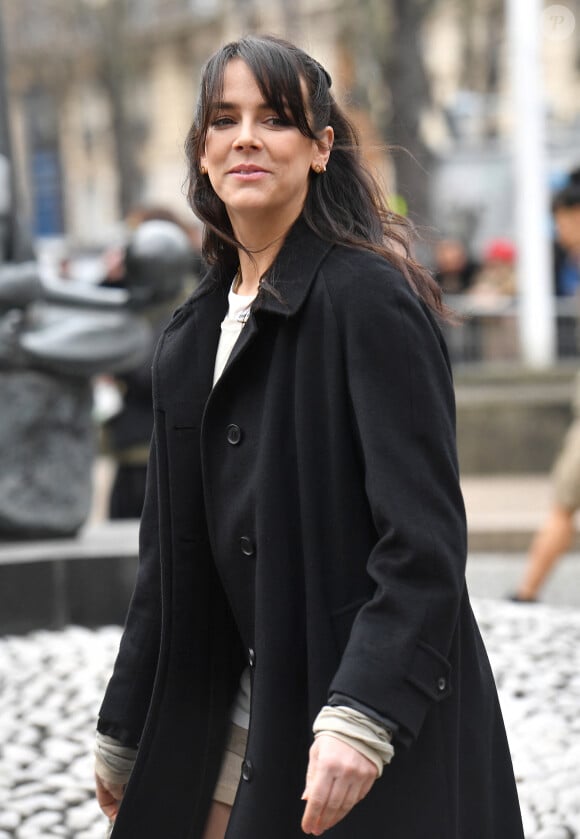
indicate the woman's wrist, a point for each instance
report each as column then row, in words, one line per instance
column 354, row 728
column 113, row 761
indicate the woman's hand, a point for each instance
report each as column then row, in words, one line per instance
column 109, row 797
column 338, row 777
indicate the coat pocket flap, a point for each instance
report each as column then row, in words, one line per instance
column 430, row 672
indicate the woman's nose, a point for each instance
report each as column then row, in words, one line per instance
column 247, row 136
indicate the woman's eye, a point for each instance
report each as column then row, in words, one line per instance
column 277, row 121
column 221, row 122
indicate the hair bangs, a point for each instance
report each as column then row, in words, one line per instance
column 277, row 75
column 278, row 78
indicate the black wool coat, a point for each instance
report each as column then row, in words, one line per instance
column 305, row 517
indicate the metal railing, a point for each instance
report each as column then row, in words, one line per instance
column 488, row 329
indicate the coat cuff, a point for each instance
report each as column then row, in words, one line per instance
column 117, row 732
column 113, row 761
column 357, row 730
column 336, row 699
column 426, row 682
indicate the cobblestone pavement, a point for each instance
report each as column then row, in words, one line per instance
column 51, row 684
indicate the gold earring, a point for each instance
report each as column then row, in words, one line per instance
column 203, row 170
column 319, row 168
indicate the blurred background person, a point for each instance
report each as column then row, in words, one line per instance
column 555, row 536
column 492, row 293
column 157, row 268
column 566, row 210
column 496, row 280
column 454, row 268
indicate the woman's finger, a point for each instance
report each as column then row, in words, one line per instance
column 355, row 793
column 108, row 797
column 338, row 778
column 342, row 798
column 318, row 785
column 317, row 796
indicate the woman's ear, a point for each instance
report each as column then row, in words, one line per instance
column 323, row 148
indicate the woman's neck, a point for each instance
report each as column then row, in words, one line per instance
column 262, row 253
column 251, row 271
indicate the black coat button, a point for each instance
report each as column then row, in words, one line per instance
column 252, row 657
column 234, row 434
column 247, row 546
column 441, row 684
column 247, row 770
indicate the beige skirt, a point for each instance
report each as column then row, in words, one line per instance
column 229, row 777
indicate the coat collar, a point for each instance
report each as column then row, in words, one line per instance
column 293, row 271
column 291, row 275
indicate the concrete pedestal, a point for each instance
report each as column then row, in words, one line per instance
column 87, row 580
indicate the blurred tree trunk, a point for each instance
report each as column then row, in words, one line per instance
column 403, row 66
column 15, row 240
column 391, row 80
column 483, row 25
column 116, row 68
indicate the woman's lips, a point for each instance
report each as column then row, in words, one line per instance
column 248, row 173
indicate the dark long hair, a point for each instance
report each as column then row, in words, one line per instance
column 345, row 204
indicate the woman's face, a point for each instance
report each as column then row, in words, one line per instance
column 257, row 163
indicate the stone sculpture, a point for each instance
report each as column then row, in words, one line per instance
column 54, row 337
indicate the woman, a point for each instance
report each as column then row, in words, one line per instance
column 303, row 539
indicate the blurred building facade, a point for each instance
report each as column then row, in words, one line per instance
column 471, row 119
column 102, row 94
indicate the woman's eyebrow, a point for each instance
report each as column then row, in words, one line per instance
column 230, row 106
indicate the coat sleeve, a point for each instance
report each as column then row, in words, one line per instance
column 399, row 380
column 126, row 702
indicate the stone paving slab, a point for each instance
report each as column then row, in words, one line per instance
column 496, row 575
column 51, row 684
column 504, row 511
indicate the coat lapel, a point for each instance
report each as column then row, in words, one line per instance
column 294, row 271
column 185, row 357
column 291, row 277
column 209, row 314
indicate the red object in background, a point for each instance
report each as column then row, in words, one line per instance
column 500, row 250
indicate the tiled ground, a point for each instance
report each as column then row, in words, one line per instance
column 51, row 684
